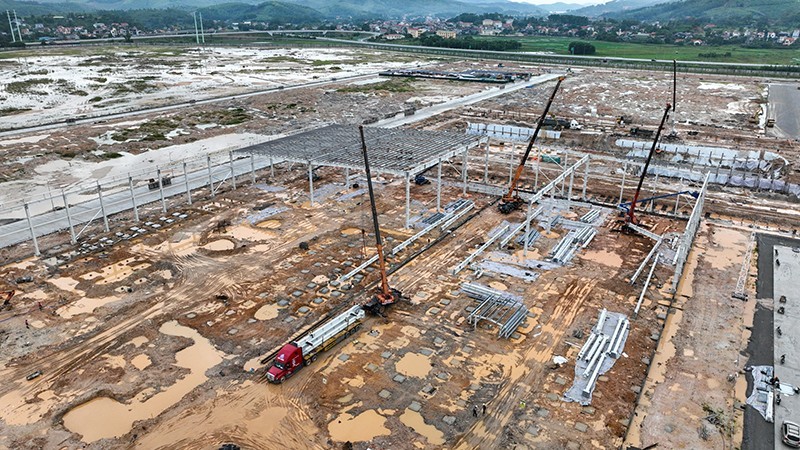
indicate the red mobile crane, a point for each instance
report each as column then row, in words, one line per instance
column 511, row 201
column 384, row 295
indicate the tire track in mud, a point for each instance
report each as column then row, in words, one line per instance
column 489, row 433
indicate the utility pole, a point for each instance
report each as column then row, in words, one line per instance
column 11, row 26
column 202, row 33
column 16, row 22
column 196, row 32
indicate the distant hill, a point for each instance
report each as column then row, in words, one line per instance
column 26, row 8
column 272, row 11
column 393, row 8
column 721, row 11
column 361, row 9
column 614, row 6
column 560, row 7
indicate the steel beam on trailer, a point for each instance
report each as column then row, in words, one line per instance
column 480, row 250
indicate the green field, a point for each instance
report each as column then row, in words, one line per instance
column 558, row 45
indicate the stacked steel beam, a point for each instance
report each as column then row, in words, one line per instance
column 501, row 308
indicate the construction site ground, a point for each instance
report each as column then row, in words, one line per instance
column 150, row 344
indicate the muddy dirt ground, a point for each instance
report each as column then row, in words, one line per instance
column 149, row 344
column 156, row 334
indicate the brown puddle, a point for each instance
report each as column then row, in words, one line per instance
column 219, row 245
column 362, row 428
column 104, row 417
column 414, row 420
column 414, row 365
column 267, row 312
column 603, row 257
column 84, row 306
column 728, row 248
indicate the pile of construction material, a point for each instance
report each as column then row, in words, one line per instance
column 503, row 309
column 569, row 244
column 598, row 354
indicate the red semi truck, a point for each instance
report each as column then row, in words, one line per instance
column 302, row 352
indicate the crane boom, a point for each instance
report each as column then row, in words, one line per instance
column 384, row 295
column 510, row 200
column 631, row 212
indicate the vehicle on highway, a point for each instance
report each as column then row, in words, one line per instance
column 790, row 434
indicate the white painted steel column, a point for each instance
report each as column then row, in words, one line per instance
column 464, row 171
column 72, row 238
column 346, row 176
column 102, row 207
column 536, row 178
column 311, row 183
column 408, row 200
column 486, row 165
column 233, row 174
column 527, row 231
column 161, row 190
column 33, row 233
column 439, row 186
column 186, row 182
column 571, row 179
column 622, row 185
column 565, row 168
column 210, row 181
column 133, row 199
column 511, row 164
column 585, row 181
column 253, row 168
column 271, row 168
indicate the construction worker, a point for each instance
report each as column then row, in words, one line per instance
column 475, row 411
column 27, row 325
column 484, row 409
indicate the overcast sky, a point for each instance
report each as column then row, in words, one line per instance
column 547, row 2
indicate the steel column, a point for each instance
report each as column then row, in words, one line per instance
column 408, row 200
column 486, row 165
column 102, row 207
column 33, row 233
column 622, row 185
column 253, row 168
column 210, row 181
column 186, row 182
column 346, row 176
column 271, row 168
column 585, row 181
column 439, row 186
column 133, row 199
column 233, row 174
column 464, row 171
column 161, row 191
column 311, row 183
column 72, row 238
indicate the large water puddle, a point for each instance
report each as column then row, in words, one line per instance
column 728, row 248
column 414, row 365
column 104, row 417
column 66, row 284
column 603, row 257
column 362, row 428
column 84, row 306
column 267, row 312
column 414, row 420
column 220, row 245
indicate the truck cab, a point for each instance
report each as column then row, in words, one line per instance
column 288, row 361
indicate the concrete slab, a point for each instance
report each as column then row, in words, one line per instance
column 399, row 378
column 384, row 394
column 449, row 420
column 415, row 406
